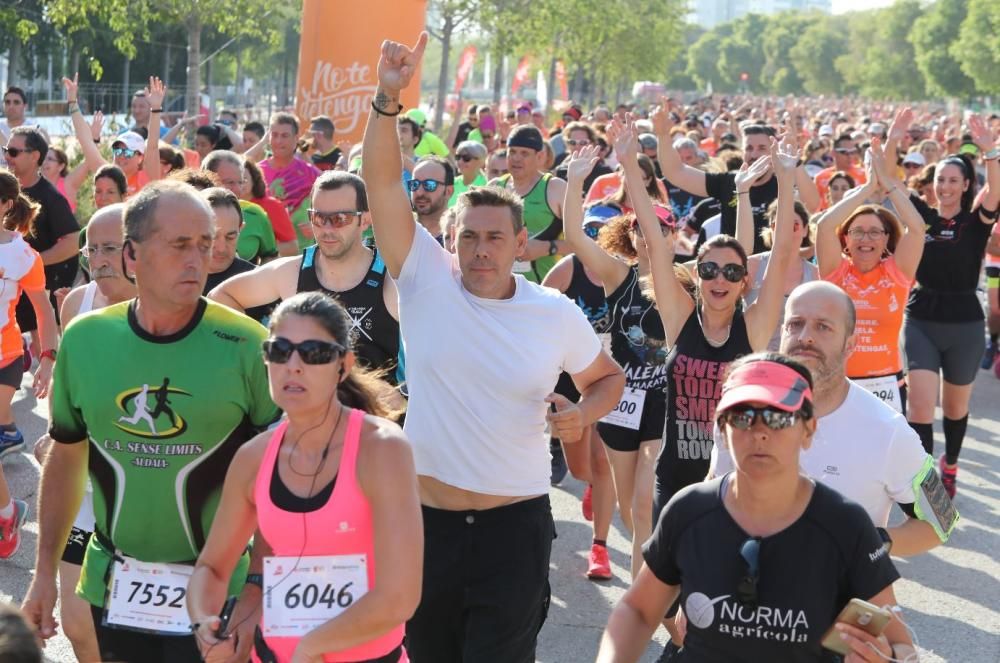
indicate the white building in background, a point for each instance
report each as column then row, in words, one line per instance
column 709, row 13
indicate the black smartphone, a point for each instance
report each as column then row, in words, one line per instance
column 224, row 617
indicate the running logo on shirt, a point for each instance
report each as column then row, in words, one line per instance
column 149, row 412
column 361, row 324
column 742, row 621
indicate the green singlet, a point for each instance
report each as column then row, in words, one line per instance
column 542, row 224
column 256, row 236
column 164, row 416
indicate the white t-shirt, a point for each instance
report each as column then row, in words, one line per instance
column 478, row 371
column 864, row 450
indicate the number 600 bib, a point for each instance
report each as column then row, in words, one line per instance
column 302, row 593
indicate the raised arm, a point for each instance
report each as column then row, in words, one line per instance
column 805, row 186
column 610, row 270
column 256, row 152
column 382, row 165
column 828, row 250
column 900, row 124
column 676, row 171
column 745, row 178
column 910, row 247
column 672, row 301
column 156, row 92
column 89, row 149
column 985, row 142
column 763, row 315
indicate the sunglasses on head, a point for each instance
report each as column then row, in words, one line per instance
column 279, row 351
column 124, row 152
column 430, row 186
column 16, row 151
column 744, row 418
column 338, row 219
column 732, row 272
column 746, row 591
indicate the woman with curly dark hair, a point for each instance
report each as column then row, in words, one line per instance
column 631, row 432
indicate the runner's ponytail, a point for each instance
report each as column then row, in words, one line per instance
column 21, row 216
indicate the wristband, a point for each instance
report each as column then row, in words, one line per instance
column 47, row 354
column 155, row 110
column 992, row 155
column 382, row 112
column 97, row 141
column 255, row 579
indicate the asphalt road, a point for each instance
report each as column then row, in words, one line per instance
column 951, row 596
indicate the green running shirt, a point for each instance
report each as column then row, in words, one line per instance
column 164, row 417
column 541, row 222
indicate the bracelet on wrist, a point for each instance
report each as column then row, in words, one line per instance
column 155, row 110
column 379, row 111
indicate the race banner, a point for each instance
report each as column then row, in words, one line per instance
column 465, row 63
column 561, row 79
column 339, row 54
column 520, row 75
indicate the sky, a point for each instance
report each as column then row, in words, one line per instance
column 841, row 6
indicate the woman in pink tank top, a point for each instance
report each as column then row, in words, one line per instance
column 333, row 492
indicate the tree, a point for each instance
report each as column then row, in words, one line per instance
column 932, row 37
column 132, row 18
column 444, row 18
column 702, row 61
column 743, row 51
column 779, row 74
column 814, row 55
column 978, row 48
column 886, row 68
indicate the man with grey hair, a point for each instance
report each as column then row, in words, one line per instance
column 155, row 396
column 470, row 157
column 862, row 448
column 681, row 201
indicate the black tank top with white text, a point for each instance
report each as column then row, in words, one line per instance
column 637, row 337
column 695, row 372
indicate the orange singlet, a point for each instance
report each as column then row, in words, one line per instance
column 880, row 300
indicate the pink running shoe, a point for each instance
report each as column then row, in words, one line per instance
column 948, row 477
column 599, row 567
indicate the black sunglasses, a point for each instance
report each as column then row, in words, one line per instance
column 845, row 150
column 279, row 350
column 16, row 151
column 744, row 417
column 338, row 219
column 462, row 157
column 732, row 272
column 746, row 591
column 430, row 186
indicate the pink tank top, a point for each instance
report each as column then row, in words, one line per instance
column 342, row 526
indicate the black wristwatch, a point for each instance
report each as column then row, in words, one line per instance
column 255, row 579
column 886, row 539
column 553, row 247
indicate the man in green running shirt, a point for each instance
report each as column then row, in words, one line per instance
column 543, row 195
column 154, row 396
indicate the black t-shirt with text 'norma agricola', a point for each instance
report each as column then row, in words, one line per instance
column 807, row 573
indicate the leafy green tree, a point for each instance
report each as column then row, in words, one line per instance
column 978, row 45
column 743, row 51
column 814, row 55
column 932, row 37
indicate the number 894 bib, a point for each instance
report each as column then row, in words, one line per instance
column 303, row 593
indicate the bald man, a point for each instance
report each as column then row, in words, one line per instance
column 104, row 254
column 862, row 448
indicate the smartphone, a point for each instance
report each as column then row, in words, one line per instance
column 861, row 614
column 224, row 616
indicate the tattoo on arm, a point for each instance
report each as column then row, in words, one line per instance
column 382, row 100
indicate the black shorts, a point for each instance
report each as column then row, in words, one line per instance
column 76, row 546
column 134, row 647
column 953, row 348
column 486, row 584
column 654, row 413
column 11, row 374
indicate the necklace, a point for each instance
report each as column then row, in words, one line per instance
column 714, row 344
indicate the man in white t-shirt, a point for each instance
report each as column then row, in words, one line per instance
column 862, row 448
column 484, row 349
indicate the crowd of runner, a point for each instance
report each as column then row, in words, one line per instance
column 307, row 399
